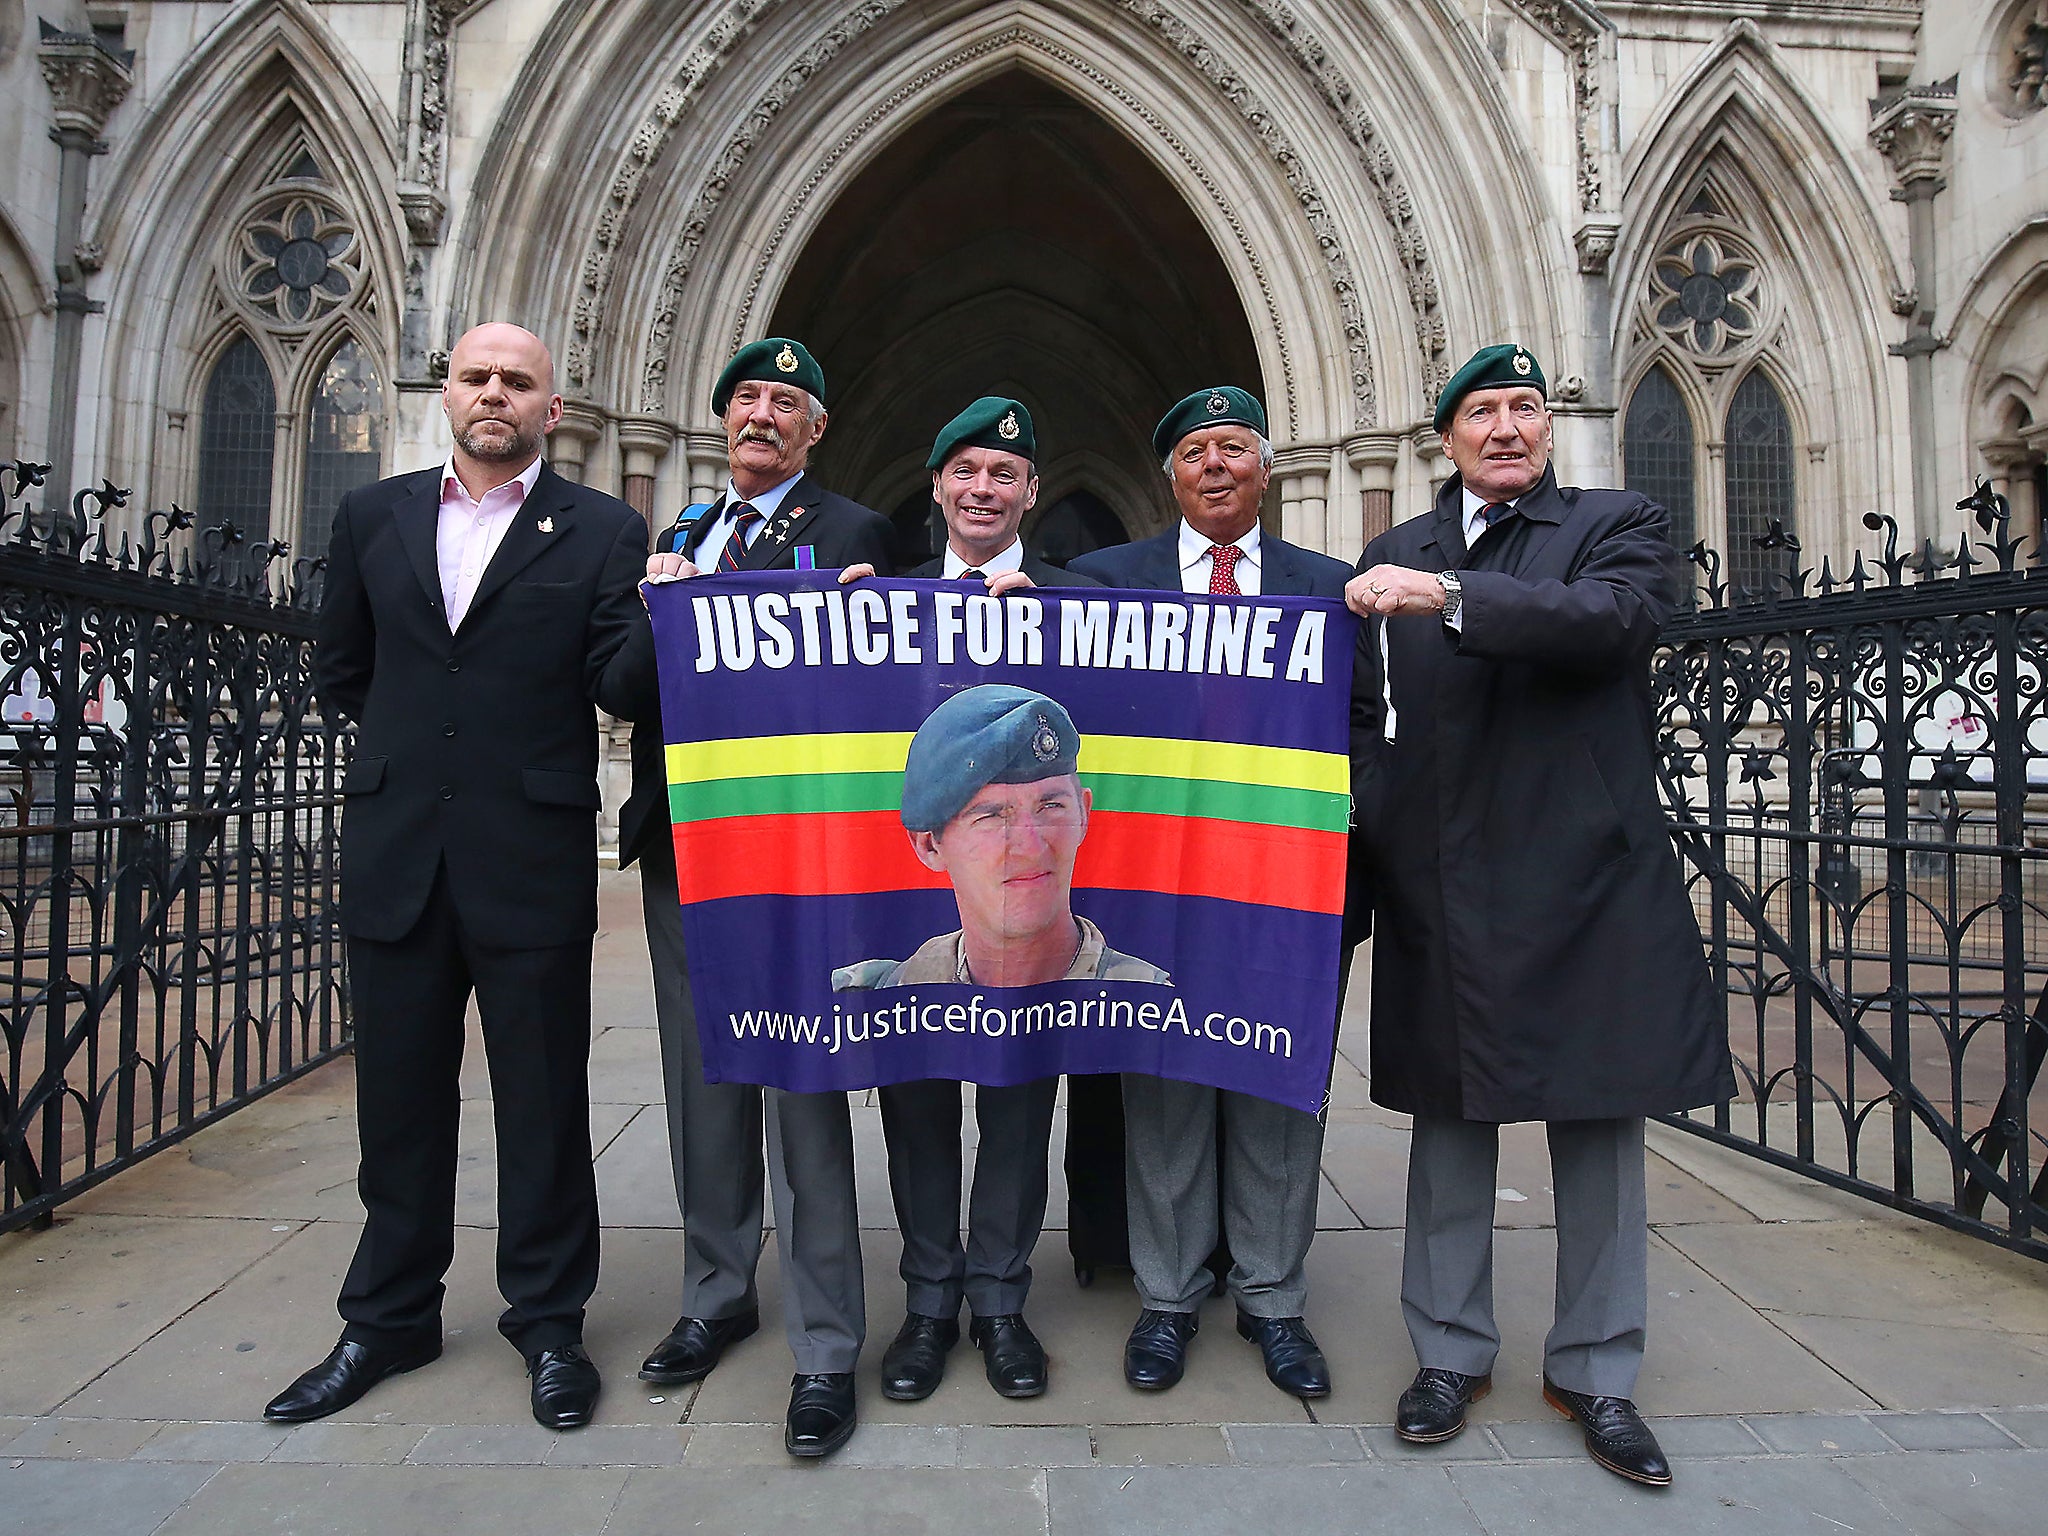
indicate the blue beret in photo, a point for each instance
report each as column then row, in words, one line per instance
column 989, row 734
column 993, row 421
column 773, row 360
column 1220, row 405
column 1497, row 367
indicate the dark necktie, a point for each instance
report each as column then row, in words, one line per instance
column 743, row 517
column 1223, row 570
column 972, row 573
column 1494, row 511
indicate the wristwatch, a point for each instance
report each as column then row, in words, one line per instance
column 1454, row 595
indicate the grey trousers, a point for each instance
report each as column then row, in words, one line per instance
column 1602, row 1310
column 715, row 1133
column 1006, row 1210
column 1271, row 1171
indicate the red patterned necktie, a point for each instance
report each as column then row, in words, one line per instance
column 1223, row 570
column 743, row 517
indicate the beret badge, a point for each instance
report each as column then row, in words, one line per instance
column 785, row 360
column 1217, row 404
column 1522, row 363
column 1008, row 427
column 1045, row 741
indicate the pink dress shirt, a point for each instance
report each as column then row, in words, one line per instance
column 469, row 533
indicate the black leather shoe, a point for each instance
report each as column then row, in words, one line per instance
column 1616, row 1435
column 1433, row 1407
column 1294, row 1361
column 349, row 1371
column 1156, row 1353
column 694, row 1346
column 565, row 1383
column 821, row 1416
column 1012, row 1353
column 915, row 1362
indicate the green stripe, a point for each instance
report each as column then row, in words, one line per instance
column 796, row 794
column 1264, row 804
column 785, row 795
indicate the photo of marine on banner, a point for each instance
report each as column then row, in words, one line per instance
column 923, row 832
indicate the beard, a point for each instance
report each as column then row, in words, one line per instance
column 520, row 445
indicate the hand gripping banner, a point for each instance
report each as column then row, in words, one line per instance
column 921, row 831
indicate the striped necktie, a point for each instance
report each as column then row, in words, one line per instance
column 743, row 517
column 973, row 573
column 1494, row 511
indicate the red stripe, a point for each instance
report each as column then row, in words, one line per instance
column 858, row 852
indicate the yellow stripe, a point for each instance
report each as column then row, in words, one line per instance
column 1163, row 757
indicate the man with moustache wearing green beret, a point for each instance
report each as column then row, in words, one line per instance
column 1536, row 955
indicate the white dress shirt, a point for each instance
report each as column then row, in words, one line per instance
column 469, row 532
column 712, row 545
column 1195, row 563
column 1475, row 525
column 1011, row 559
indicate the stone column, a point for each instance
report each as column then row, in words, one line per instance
column 644, row 442
column 1373, row 457
column 423, row 181
column 709, row 467
column 1911, row 129
column 87, row 81
column 1429, row 451
column 582, row 424
column 1303, row 470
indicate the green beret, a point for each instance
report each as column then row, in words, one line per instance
column 1498, row 367
column 989, row 734
column 991, row 422
column 775, row 360
column 1222, row 405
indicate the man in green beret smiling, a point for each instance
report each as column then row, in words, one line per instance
column 771, row 399
column 1537, row 956
column 991, row 800
column 1217, row 456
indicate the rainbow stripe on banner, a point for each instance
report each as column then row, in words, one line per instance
column 817, row 815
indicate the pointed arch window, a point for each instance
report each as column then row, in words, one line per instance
column 238, row 441
column 344, row 443
column 1759, row 480
column 1657, row 452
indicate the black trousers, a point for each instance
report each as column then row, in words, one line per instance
column 410, row 998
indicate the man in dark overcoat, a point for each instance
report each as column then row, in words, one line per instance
column 772, row 514
column 1536, row 957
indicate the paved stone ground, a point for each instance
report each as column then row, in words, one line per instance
column 1817, row 1364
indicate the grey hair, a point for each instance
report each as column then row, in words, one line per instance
column 1265, row 456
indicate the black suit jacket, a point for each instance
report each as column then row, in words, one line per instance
column 476, row 749
column 1042, row 573
column 839, row 532
column 1153, row 565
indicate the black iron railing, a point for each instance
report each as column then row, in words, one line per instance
column 1856, row 772
column 168, row 949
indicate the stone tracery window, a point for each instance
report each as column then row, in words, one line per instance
column 293, row 282
column 1657, row 451
column 1760, row 480
column 1705, row 293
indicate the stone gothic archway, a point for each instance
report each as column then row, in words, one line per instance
column 1011, row 241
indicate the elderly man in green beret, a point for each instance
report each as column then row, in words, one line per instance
column 991, row 799
column 1537, row 956
column 1184, row 1139
column 773, row 513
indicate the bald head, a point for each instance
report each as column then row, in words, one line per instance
column 501, row 402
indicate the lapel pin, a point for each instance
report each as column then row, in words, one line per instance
column 547, row 525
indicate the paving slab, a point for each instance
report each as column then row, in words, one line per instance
column 1160, row 1445
column 625, row 1066
column 213, row 1442
column 45, row 1498
column 636, row 1185
column 621, row 1445
column 1768, row 1193
column 1945, row 1432
column 831, row 1500
column 77, row 1298
column 1026, row 1445
column 1478, row 1443
column 349, row 1444
column 1239, row 1501
column 483, row 1445
column 268, row 1498
column 1968, row 1494
column 82, row 1439
column 1819, row 1434
column 1294, row 1445
column 2029, row 1426
column 1707, row 1498
column 1915, row 1316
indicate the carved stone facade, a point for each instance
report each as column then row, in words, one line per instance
column 1329, row 202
